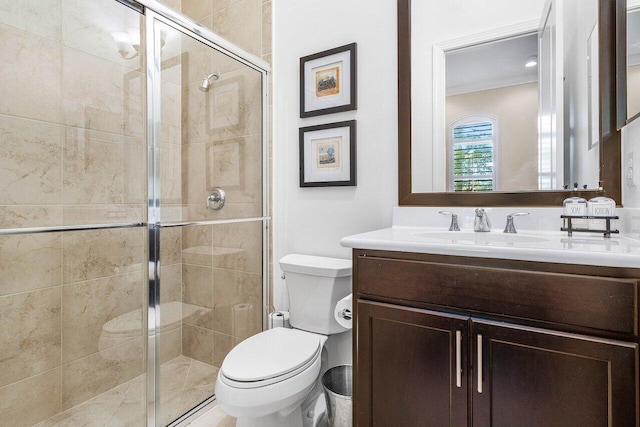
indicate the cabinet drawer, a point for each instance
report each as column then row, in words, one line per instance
column 603, row 303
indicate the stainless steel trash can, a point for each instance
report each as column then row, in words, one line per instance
column 337, row 383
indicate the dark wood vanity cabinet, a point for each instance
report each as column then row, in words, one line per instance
column 406, row 367
column 533, row 378
column 423, row 359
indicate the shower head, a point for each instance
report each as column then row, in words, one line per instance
column 206, row 82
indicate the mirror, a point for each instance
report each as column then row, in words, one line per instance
column 480, row 127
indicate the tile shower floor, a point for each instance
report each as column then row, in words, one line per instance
column 185, row 382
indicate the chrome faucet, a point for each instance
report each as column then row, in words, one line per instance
column 481, row 221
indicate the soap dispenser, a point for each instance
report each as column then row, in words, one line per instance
column 575, row 207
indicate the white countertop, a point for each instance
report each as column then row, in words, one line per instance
column 541, row 246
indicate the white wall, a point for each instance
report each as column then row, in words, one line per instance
column 313, row 220
column 631, row 143
column 579, row 19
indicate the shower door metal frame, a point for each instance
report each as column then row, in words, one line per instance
column 156, row 12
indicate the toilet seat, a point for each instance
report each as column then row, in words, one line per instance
column 270, row 357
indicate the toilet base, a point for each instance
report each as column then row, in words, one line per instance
column 312, row 413
column 293, row 419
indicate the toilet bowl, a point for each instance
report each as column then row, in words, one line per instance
column 276, row 382
column 272, row 379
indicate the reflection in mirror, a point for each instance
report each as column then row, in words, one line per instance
column 515, row 95
column 633, row 58
column 492, row 114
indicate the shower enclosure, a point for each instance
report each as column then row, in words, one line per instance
column 122, row 287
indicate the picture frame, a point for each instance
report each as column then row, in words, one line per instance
column 328, row 81
column 328, row 155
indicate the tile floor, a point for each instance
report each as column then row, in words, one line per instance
column 185, row 383
column 215, row 417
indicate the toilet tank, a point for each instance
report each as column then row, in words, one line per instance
column 315, row 285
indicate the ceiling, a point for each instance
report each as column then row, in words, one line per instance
column 491, row 65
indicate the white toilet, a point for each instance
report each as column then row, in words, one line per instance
column 272, row 378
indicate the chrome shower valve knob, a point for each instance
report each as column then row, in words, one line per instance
column 216, row 199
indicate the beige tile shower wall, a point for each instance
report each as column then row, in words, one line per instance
column 221, row 135
column 248, row 24
column 71, row 115
column 72, row 152
column 222, row 288
column 245, row 23
column 71, row 318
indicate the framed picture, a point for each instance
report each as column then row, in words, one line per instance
column 328, row 155
column 328, row 81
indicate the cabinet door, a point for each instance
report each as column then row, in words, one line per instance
column 532, row 377
column 410, row 367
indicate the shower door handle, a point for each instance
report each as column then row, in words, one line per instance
column 216, row 199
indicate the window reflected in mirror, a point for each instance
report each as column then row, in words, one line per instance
column 493, row 110
column 472, row 156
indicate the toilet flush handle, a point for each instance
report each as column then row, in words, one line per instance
column 345, row 314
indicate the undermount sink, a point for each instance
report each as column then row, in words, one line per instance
column 473, row 237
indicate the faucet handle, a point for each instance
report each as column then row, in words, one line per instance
column 454, row 220
column 510, row 227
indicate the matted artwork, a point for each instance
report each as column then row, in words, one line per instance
column 328, row 155
column 328, row 81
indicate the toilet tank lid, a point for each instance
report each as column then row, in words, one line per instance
column 316, row 265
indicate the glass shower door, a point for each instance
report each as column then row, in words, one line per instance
column 207, row 134
column 120, row 291
column 73, row 274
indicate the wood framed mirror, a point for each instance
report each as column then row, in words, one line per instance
column 607, row 146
